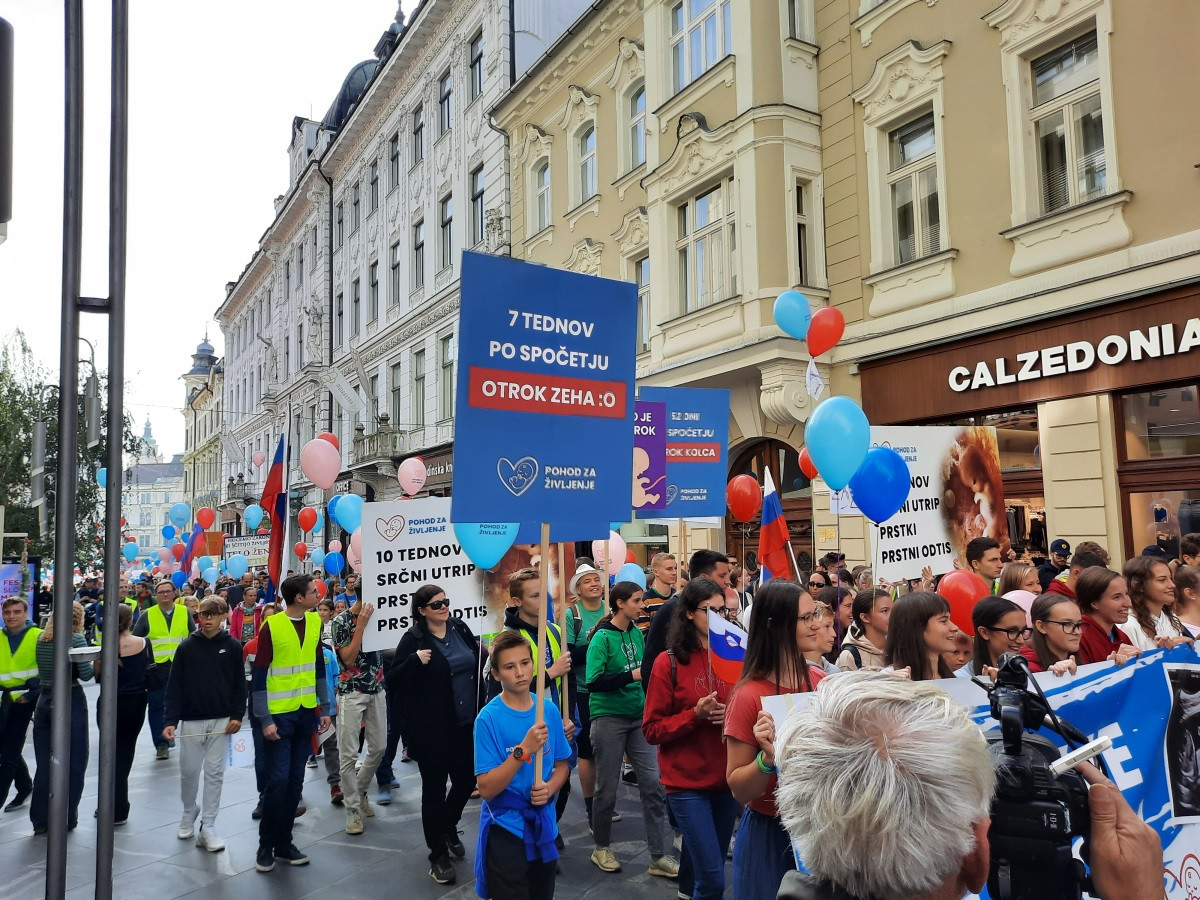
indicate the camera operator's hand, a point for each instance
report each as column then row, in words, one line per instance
column 1126, row 855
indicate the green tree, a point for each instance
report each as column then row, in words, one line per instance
column 27, row 389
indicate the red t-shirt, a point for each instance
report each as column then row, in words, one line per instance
column 1095, row 645
column 691, row 753
column 1031, row 657
column 740, row 717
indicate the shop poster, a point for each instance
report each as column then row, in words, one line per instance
column 697, row 421
column 11, row 576
column 1150, row 708
column 545, row 399
column 650, row 456
column 957, row 495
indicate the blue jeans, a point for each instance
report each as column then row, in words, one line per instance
column 762, row 855
column 706, row 819
column 155, row 703
column 14, row 726
column 260, row 755
column 286, row 758
column 39, row 809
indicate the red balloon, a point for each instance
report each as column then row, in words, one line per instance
column 825, row 330
column 744, row 497
column 122, row 520
column 806, row 463
column 320, row 588
column 963, row 589
column 205, row 517
column 263, row 531
column 178, row 550
column 307, row 518
column 630, row 557
column 331, row 437
column 301, row 549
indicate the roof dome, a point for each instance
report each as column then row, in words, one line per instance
column 204, row 348
column 352, row 88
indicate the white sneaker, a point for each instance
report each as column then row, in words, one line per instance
column 364, row 805
column 209, row 840
column 187, row 826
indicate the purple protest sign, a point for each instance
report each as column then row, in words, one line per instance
column 650, row 456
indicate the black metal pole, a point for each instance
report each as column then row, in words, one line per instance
column 68, row 441
column 118, row 226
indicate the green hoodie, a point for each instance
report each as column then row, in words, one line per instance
column 611, row 658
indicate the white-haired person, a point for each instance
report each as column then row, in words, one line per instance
column 908, row 747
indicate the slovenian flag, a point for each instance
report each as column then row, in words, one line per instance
column 726, row 647
column 274, row 500
column 774, row 540
column 191, row 549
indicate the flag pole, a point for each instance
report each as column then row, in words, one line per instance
column 539, row 714
column 287, row 500
column 563, row 685
column 682, row 547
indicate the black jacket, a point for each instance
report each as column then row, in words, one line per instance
column 798, row 886
column 207, row 679
column 423, row 692
column 656, row 636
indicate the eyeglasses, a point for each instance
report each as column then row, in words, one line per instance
column 1014, row 633
column 211, row 614
column 167, row 591
column 438, row 604
column 808, row 618
column 1068, row 626
column 816, row 584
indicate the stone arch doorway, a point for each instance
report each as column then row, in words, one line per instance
column 795, row 491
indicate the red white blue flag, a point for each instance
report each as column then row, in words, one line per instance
column 774, row 540
column 275, row 502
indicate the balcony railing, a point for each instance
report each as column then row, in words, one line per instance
column 383, row 444
column 239, row 491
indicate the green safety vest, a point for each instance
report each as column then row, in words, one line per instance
column 165, row 640
column 292, row 675
column 128, row 601
column 17, row 668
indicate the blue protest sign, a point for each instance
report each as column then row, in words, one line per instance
column 545, row 400
column 531, row 532
column 697, row 437
column 650, row 456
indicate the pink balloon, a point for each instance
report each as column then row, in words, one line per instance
column 321, row 463
column 335, row 546
column 1023, row 599
column 615, row 558
column 356, row 544
column 164, row 552
column 412, row 474
column 259, row 457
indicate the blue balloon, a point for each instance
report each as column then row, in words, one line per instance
column 237, row 565
column 331, row 506
column 317, row 557
column 252, row 515
column 102, row 477
column 348, row 512
column 180, row 514
column 881, row 484
column 129, row 551
column 838, row 437
column 222, row 567
column 793, row 314
column 211, row 574
column 334, row 563
column 320, row 522
column 632, row 572
column 168, row 532
column 204, row 562
column 485, row 543
column 178, row 579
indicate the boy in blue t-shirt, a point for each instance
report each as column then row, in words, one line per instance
column 515, row 856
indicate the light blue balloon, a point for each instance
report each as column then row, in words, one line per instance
column 485, row 543
column 252, row 515
column 211, row 574
column 881, row 484
column 838, row 436
column 632, row 572
column 204, row 562
column 168, row 532
column 317, row 557
column 334, row 563
column 320, row 522
column 102, row 477
column 129, row 551
column 331, row 506
column 178, row 579
column 222, row 567
column 793, row 314
column 237, row 565
column 348, row 513
column 180, row 514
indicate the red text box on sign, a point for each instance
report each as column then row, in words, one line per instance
column 555, row 395
column 682, row 453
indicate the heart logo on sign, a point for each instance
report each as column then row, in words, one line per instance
column 672, row 493
column 390, row 529
column 517, row 477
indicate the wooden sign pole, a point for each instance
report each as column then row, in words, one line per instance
column 562, row 629
column 539, row 663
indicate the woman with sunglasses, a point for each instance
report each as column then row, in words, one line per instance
column 436, row 676
column 685, row 709
column 1057, row 628
column 783, row 627
column 999, row 627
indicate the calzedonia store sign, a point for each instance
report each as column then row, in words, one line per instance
column 1123, row 346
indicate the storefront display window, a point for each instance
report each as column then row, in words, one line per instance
column 1162, row 423
column 1160, row 518
column 1016, row 436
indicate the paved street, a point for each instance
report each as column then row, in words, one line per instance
column 151, row 862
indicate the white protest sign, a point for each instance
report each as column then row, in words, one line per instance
column 406, row 544
column 956, row 496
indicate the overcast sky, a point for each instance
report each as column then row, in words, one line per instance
column 213, row 89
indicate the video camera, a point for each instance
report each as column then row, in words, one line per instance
column 1036, row 815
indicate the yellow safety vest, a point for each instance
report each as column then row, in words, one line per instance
column 131, row 603
column 166, row 640
column 17, row 668
column 292, row 675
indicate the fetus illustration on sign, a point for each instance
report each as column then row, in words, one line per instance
column 642, row 485
column 973, row 491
